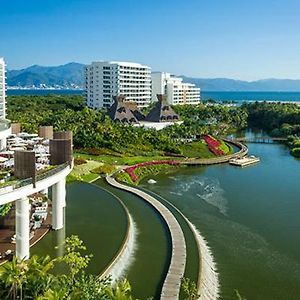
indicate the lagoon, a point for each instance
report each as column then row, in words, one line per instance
column 250, row 218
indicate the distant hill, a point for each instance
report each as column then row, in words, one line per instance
column 69, row 75
column 72, row 75
column 264, row 85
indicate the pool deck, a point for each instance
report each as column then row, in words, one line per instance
column 172, row 282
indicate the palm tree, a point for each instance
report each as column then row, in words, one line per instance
column 38, row 276
column 13, row 275
column 119, row 291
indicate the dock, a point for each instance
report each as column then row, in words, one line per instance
column 244, row 161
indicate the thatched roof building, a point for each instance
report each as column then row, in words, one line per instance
column 120, row 111
column 162, row 112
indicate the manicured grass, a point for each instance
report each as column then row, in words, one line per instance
column 196, row 150
column 89, row 177
column 83, row 172
column 145, row 171
column 114, row 160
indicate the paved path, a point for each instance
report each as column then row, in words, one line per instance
column 172, row 283
column 218, row 160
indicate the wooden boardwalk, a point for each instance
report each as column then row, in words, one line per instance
column 262, row 139
column 172, row 282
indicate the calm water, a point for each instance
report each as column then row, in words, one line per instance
column 44, row 92
column 220, row 96
column 251, row 96
column 250, row 218
column 97, row 218
column 151, row 258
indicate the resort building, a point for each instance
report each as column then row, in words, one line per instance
column 2, row 88
column 5, row 128
column 106, row 79
column 30, row 166
column 177, row 91
column 162, row 112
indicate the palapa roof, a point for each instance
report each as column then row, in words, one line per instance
column 121, row 112
column 136, row 112
column 162, row 112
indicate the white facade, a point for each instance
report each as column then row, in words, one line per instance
column 2, row 88
column 5, row 129
column 177, row 91
column 106, row 79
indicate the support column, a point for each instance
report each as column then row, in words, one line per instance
column 58, row 204
column 22, row 228
column 45, row 191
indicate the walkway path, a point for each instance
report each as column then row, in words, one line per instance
column 219, row 160
column 172, row 283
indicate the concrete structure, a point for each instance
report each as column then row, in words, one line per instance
column 30, row 182
column 177, row 91
column 106, row 79
column 63, row 135
column 2, row 88
column 15, row 128
column 46, row 132
column 55, row 178
column 60, row 151
column 5, row 129
column 172, row 282
column 24, row 164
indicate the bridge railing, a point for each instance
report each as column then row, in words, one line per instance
column 24, row 182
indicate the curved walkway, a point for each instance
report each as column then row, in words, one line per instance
column 172, row 283
column 208, row 279
column 219, row 160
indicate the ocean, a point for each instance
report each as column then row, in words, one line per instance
column 219, row 96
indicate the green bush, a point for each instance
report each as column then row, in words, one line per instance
column 296, row 152
column 79, row 161
column 104, row 169
column 5, row 209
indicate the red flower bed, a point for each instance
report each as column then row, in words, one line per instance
column 134, row 177
column 213, row 145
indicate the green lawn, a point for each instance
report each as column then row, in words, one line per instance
column 82, row 172
column 115, row 160
column 196, row 150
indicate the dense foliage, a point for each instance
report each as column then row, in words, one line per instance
column 278, row 119
column 35, row 279
column 94, row 129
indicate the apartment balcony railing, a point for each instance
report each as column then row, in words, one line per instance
column 8, row 188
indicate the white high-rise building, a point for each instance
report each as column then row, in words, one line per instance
column 106, row 79
column 177, row 91
column 2, row 88
column 5, row 128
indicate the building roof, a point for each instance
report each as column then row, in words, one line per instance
column 120, row 111
column 122, row 63
column 162, row 112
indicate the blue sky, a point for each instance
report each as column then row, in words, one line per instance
column 216, row 38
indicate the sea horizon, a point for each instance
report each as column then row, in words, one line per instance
column 238, row 96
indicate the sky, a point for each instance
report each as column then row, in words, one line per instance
column 238, row 39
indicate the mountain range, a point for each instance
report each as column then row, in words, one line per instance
column 71, row 75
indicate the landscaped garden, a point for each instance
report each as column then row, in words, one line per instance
column 134, row 174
